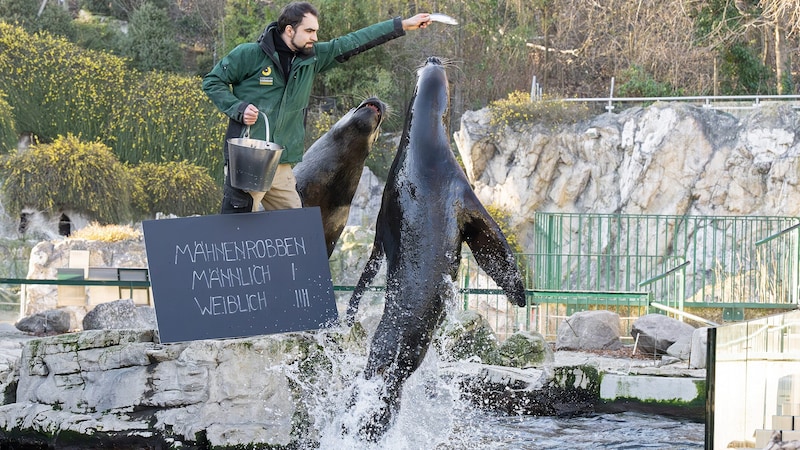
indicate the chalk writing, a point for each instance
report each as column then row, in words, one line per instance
column 233, row 304
column 230, row 277
column 301, row 298
column 245, row 250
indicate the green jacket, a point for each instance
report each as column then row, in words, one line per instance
column 251, row 73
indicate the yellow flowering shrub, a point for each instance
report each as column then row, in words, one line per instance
column 57, row 88
column 503, row 219
column 517, row 110
column 68, row 174
column 106, row 233
column 167, row 117
column 177, row 187
column 8, row 129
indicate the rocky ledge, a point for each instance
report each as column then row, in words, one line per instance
column 119, row 388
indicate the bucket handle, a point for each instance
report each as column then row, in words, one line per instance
column 266, row 123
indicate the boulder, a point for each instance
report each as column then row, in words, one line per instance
column 51, row 321
column 119, row 314
column 466, row 335
column 655, row 333
column 589, row 330
column 525, row 349
column 697, row 359
column 682, row 348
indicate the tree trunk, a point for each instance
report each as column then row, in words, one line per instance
column 783, row 61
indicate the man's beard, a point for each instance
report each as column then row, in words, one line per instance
column 302, row 49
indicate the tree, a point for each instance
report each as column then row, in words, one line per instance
column 151, row 42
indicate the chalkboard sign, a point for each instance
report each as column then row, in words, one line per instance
column 236, row 275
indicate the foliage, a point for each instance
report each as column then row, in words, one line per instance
column 106, row 233
column 101, row 7
column 41, row 74
column 636, row 82
column 94, row 33
column 20, row 12
column 363, row 75
column 177, row 187
column 244, row 21
column 124, row 9
column 167, row 117
column 68, row 175
column 55, row 20
column 743, row 72
column 503, row 219
column 517, row 109
column 319, row 122
column 150, row 116
column 8, row 129
column 380, row 158
column 151, row 43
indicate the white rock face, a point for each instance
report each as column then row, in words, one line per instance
column 667, row 158
column 235, row 392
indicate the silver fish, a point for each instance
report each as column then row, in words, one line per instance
column 443, row 18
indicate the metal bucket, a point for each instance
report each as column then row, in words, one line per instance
column 252, row 163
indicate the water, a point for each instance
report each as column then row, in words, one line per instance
column 434, row 416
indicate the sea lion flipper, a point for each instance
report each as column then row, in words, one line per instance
column 370, row 269
column 493, row 254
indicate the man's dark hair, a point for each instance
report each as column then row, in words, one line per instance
column 293, row 13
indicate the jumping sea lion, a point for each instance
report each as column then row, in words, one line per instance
column 331, row 168
column 428, row 210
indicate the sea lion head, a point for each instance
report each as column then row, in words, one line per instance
column 364, row 120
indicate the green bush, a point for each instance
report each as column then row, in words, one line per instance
column 68, row 175
column 178, row 187
column 151, row 43
column 637, row 82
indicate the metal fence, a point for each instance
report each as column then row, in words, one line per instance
column 623, row 263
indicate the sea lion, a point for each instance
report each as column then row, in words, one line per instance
column 428, row 210
column 331, row 168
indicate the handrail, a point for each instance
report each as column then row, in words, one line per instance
column 705, row 98
column 664, row 275
column 75, row 282
column 777, row 235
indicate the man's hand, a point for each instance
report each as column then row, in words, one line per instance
column 419, row 21
column 250, row 115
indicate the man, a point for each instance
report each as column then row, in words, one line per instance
column 274, row 76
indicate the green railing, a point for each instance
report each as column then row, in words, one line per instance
column 710, row 259
column 624, row 262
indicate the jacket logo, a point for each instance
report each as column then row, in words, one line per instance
column 267, row 71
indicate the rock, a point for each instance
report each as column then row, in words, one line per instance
column 699, row 348
column 668, row 158
column 589, row 330
column 655, row 333
column 525, row 349
column 119, row 314
column 51, row 321
column 229, row 393
column 466, row 335
column 682, row 348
